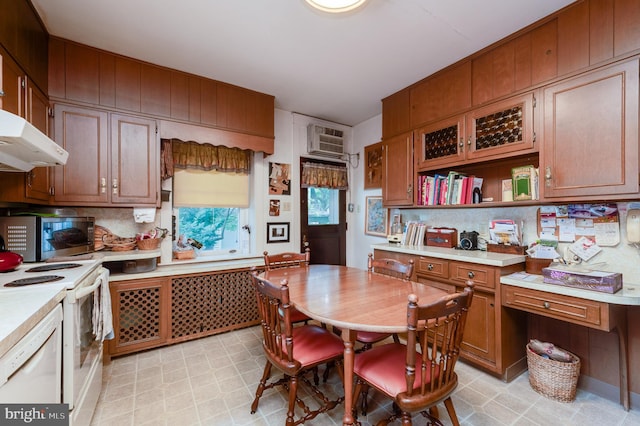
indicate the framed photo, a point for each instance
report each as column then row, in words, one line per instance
column 277, row 232
column 376, row 217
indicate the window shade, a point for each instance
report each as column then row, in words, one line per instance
column 199, row 188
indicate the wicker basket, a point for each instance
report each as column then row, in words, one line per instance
column 149, row 243
column 553, row 379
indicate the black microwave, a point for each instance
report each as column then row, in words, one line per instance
column 39, row 238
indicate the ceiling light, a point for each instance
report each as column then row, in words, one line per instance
column 336, row 6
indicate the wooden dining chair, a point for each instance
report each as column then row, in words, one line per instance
column 289, row 260
column 293, row 350
column 418, row 379
column 394, row 268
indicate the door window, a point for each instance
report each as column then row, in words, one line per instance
column 323, row 206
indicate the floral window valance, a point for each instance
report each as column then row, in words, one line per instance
column 175, row 153
column 324, row 176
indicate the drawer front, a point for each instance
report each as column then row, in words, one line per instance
column 482, row 275
column 449, row 288
column 432, row 267
column 572, row 309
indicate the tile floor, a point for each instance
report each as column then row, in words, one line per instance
column 211, row 381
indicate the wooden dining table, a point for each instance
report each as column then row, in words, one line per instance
column 354, row 300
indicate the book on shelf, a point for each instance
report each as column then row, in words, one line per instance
column 522, row 179
column 414, row 233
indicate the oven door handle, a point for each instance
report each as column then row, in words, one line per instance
column 79, row 294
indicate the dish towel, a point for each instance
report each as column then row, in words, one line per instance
column 102, row 316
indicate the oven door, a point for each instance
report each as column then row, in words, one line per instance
column 81, row 349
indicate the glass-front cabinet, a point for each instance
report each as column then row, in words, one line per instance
column 498, row 130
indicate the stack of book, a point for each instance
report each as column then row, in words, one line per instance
column 451, row 189
column 414, row 233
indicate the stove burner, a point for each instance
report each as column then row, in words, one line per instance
column 34, row 280
column 53, row 267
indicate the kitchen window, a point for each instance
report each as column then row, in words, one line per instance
column 211, row 187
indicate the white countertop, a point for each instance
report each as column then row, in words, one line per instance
column 192, row 266
column 22, row 308
column 473, row 256
column 629, row 295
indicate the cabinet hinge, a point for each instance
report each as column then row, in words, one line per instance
column 535, row 101
column 534, row 137
column 50, row 112
column 156, row 128
column 23, row 83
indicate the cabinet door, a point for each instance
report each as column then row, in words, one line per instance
column 440, row 143
column 591, row 134
column 397, row 171
column 479, row 339
column 501, row 128
column 396, row 114
column 135, row 159
column 83, row 133
column 38, row 180
column 140, row 314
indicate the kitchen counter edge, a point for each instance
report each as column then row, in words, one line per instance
column 471, row 256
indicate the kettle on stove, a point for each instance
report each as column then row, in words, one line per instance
column 8, row 260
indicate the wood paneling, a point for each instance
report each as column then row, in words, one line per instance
column 626, row 34
column 573, row 38
column 155, row 90
column 128, row 84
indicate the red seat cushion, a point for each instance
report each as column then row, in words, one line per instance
column 314, row 345
column 384, row 367
column 371, row 337
column 297, row 316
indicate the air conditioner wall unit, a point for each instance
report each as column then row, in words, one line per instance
column 325, row 141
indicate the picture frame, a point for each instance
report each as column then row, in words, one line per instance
column 376, row 217
column 277, row 232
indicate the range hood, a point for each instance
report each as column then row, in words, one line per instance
column 23, row 147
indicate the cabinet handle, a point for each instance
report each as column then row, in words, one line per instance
column 103, row 185
column 30, row 179
column 410, row 189
column 471, row 274
column 114, row 185
column 1, row 92
column 430, row 267
column 469, row 141
column 546, row 305
column 547, row 176
column 461, row 144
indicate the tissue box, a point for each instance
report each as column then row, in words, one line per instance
column 606, row 282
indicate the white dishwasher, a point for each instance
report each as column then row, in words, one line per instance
column 31, row 371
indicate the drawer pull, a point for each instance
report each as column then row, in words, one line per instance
column 471, row 274
column 430, row 267
column 546, row 305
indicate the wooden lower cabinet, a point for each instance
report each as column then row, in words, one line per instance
column 494, row 338
column 154, row 312
column 141, row 310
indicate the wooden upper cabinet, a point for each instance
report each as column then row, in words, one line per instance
column 441, row 95
column 591, row 135
column 180, row 91
column 82, row 73
column 135, row 159
column 626, row 28
column 573, row 38
column 396, row 114
column 128, row 84
column 494, row 73
column 601, row 30
column 397, row 170
column 85, row 178
column 155, row 90
column 544, row 52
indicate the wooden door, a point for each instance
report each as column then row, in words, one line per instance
column 83, row 133
column 135, row 160
column 397, row 171
column 38, row 180
column 592, row 120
